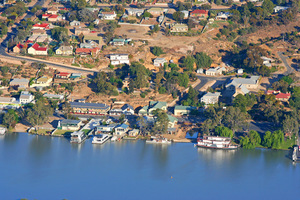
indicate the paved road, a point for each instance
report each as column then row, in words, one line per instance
column 289, row 69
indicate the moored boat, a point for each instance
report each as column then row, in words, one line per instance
column 158, row 140
column 216, row 142
column 100, row 139
column 78, row 137
column 2, row 130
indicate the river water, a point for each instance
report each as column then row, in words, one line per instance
column 43, row 167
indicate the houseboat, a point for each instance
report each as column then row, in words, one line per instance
column 100, row 139
column 215, row 142
column 78, row 137
column 2, row 130
column 158, row 140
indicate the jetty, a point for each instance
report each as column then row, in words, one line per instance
column 296, row 154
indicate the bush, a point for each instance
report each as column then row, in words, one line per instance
column 143, row 95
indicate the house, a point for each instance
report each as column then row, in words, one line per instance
column 43, row 26
column 160, row 19
column 267, row 61
column 53, row 10
column 64, row 50
column 268, row 92
column 89, row 108
column 210, row 98
column 108, row 15
column 9, row 103
column 240, row 71
column 202, row 14
column 199, row 71
column 117, row 59
column 19, row 83
column 282, row 96
column 87, row 45
column 96, row 21
column 75, row 23
column 223, row 15
column 158, row 62
column 156, row 11
column 67, row 124
column 215, row 71
column 242, row 85
column 153, row 105
column 37, row 50
column 121, row 129
column 63, row 75
column 87, row 51
column 126, row 82
column 277, row 9
column 18, row 48
column 75, row 76
column 26, row 97
column 54, row 96
column 42, row 82
column 117, row 42
column 134, row 11
column 172, row 121
column 127, row 109
column 185, row 14
column 179, row 28
column 54, row 18
column 133, row 133
column 183, row 110
column 92, row 38
column 83, row 31
column 38, row 32
column 119, row 109
column 105, row 128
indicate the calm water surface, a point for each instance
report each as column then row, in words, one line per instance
column 41, row 167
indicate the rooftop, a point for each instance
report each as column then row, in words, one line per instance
column 89, row 105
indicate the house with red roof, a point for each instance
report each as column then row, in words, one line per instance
column 268, row 92
column 203, row 14
column 36, row 49
column 87, row 51
column 44, row 26
column 282, row 96
column 18, row 48
column 63, row 75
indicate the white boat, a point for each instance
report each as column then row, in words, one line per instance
column 114, row 138
column 158, row 140
column 215, row 142
column 100, row 139
column 2, row 130
column 78, row 137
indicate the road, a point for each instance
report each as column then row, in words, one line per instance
column 289, row 69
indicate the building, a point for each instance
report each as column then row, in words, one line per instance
column 117, row 59
column 119, row 42
column 283, row 96
column 83, row 31
column 37, row 50
column 9, row 103
column 75, row 23
column 267, row 61
column 67, row 124
column 215, row 71
column 16, row 82
column 185, row 13
column 18, row 48
column 172, row 121
column 105, row 128
column 240, row 71
column 127, row 109
column 94, row 39
column 242, row 85
column 75, row 76
column 64, row 50
column 201, row 14
column 223, row 16
column 63, row 75
column 159, row 62
column 179, row 28
column 153, row 105
column 156, row 11
column 87, row 51
column 134, row 11
column 89, row 108
column 119, row 109
column 277, row 9
column 108, row 15
column 126, row 82
column 210, row 98
column 183, row 110
column 121, row 129
column 42, row 82
column 38, row 32
column 44, row 26
column 54, row 96
column 26, row 97
column 199, row 71
column 133, row 133
column 53, row 10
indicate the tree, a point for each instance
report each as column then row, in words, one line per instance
column 192, row 97
column 202, row 60
column 178, row 16
column 58, row 33
column 78, row 4
column 254, row 137
column 10, row 119
column 157, row 51
column 188, row 63
column 183, row 80
column 235, row 119
column 268, row 6
column 264, row 70
column 207, row 126
column 267, row 142
column 38, row 114
column 86, row 15
column 223, row 131
column 140, row 75
column 246, row 143
column 161, row 121
column 290, row 125
column 103, row 85
column 122, row 118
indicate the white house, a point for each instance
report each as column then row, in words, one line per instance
column 9, row 103
column 240, row 71
column 135, row 11
column 215, row 71
column 280, row 8
column 158, row 62
column 108, row 15
column 121, row 129
column 26, row 97
column 117, row 59
column 75, row 23
column 267, row 61
column 37, row 50
column 223, row 16
column 210, row 98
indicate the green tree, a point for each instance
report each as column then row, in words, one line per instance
column 188, row 63
column 235, row 119
column 268, row 6
column 254, row 138
column 183, row 80
column 10, row 118
column 246, row 143
column 38, row 114
column 161, row 122
column 267, row 142
column 178, row 16
column 162, row 90
column 223, row 131
column 58, row 33
column 202, row 60
column 290, row 125
column 157, row 51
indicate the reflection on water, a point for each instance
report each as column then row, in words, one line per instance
column 217, row 155
column 10, row 137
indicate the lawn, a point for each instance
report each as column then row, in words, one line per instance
column 63, row 132
column 86, row 131
column 288, row 143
